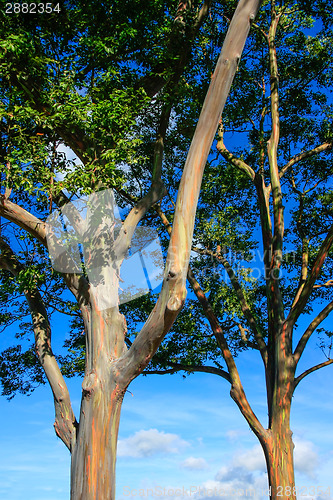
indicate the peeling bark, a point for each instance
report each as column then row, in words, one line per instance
column 65, row 423
column 278, row 446
column 94, row 455
column 22, row 218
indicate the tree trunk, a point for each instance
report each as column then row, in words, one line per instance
column 94, row 455
column 94, row 452
column 279, row 453
column 278, row 444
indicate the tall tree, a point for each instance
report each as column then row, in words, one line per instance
column 273, row 186
column 90, row 77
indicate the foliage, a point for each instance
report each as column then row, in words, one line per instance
column 66, row 71
column 66, row 80
column 107, row 79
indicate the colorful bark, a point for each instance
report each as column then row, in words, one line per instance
column 94, row 455
column 65, row 423
column 279, row 449
column 280, row 464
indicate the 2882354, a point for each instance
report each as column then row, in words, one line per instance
column 31, row 8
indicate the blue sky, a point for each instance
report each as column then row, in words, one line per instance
column 178, row 438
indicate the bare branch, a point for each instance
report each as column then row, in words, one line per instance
column 65, row 422
column 308, row 286
column 245, row 339
column 155, row 193
column 328, row 284
column 176, row 367
column 8, row 191
column 273, row 289
column 203, row 299
column 311, row 370
column 305, row 245
column 23, row 219
column 241, row 299
column 214, row 323
column 310, row 329
column 263, row 193
column 202, row 14
column 237, row 390
column 305, row 154
column 157, row 79
column 37, row 228
column 233, row 160
column 304, row 270
column 172, row 296
column 258, row 28
column 264, row 112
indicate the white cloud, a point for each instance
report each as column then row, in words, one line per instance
column 193, row 463
column 146, row 443
column 306, row 457
column 234, row 482
column 234, row 434
column 246, row 476
column 251, row 460
column 70, row 157
column 69, row 153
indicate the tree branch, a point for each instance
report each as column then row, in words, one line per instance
column 155, row 193
column 265, row 218
column 304, row 270
column 179, row 48
column 305, row 246
column 23, row 219
column 172, row 295
column 233, row 160
column 305, row 154
column 204, row 301
column 37, row 228
column 65, row 423
column 272, row 148
column 176, row 367
column 207, row 308
column 310, row 370
column 202, row 14
column 328, row 284
column 308, row 286
column 244, row 338
column 237, row 390
column 310, row 329
column 241, row 299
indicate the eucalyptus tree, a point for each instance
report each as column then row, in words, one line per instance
column 100, row 78
column 261, row 266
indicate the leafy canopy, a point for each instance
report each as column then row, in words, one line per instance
column 97, row 77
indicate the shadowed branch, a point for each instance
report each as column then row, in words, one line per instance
column 65, row 423
column 311, row 370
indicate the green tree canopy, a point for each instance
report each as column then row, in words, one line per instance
column 106, row 80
